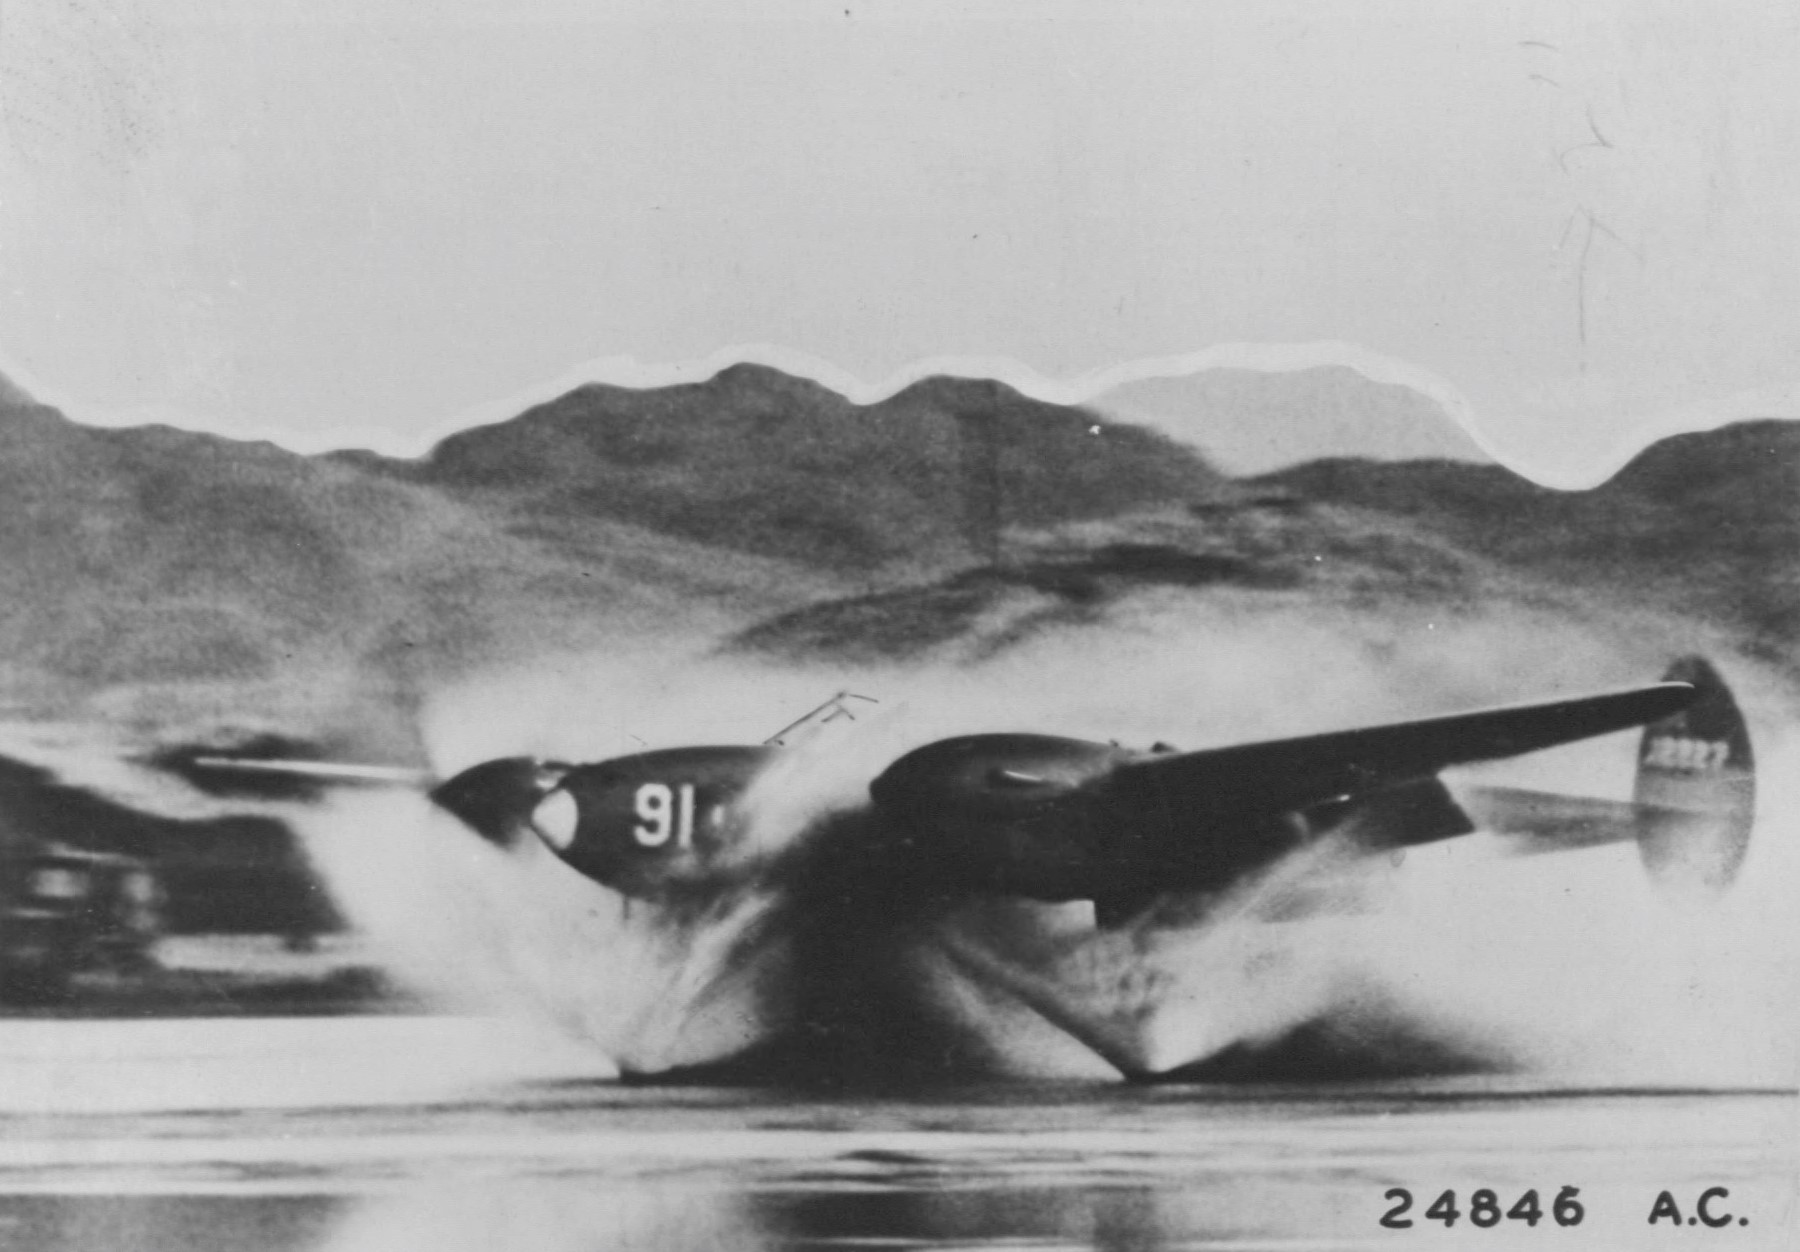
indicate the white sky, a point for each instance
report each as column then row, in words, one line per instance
column 1578, row 226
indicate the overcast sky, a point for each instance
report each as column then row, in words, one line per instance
column 1577, row 225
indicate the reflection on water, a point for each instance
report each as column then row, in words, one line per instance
column 167, row 1223
column 565, row 1216
column 559, row 1217
column 575, row 1215
column 573, row 1168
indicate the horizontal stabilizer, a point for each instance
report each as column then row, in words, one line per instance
column 1543, row 821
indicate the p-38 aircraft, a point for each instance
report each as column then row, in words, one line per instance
column 1015, row 902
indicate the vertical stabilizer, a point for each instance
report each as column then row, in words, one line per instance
column 1696, row 771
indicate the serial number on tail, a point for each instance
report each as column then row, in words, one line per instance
column 1687, row 755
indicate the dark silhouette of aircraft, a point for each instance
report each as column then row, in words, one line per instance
column 1025, row 867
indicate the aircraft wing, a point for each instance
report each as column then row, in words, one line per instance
column 1318, row 769
column 337, row 772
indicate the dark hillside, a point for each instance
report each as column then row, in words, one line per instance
column 768, row 510
column 757, row 461
column 1268, row 552
column 160, row 553
column 155, row 555
column 1704, row 524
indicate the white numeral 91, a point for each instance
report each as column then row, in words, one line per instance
column 665, row 812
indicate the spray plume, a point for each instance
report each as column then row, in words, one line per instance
column 1565, row 964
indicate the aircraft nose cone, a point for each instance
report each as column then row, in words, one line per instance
column 495, row 798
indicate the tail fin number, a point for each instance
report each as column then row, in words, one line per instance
column 1689, row 756
column 665, row 811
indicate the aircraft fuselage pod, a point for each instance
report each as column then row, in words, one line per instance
column 658, row 825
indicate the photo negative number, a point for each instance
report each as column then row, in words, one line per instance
column 1485, row 1209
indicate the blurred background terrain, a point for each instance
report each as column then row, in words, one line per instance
column 160, row 574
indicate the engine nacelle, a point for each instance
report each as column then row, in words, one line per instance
column 1008, row 814
column 1048, row 818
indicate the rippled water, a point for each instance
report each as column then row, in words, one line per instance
column 551, row 1165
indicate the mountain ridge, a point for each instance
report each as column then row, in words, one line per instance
column 1706, row 522
column 759, row 459
column 767, row 511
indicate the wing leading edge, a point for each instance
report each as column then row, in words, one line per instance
column 1317, row 769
